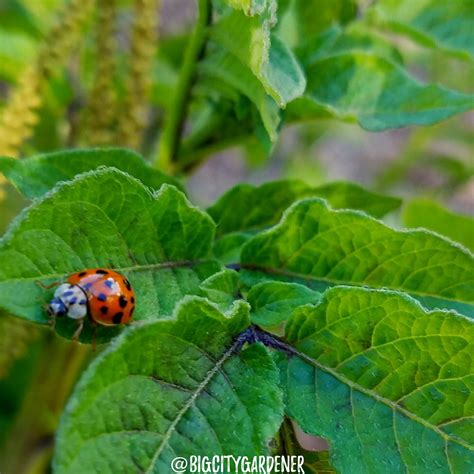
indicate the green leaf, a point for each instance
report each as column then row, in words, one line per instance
column 247, row 208
column 430, row 215
column 385, row 382
column 317, row 244
column 311, row 19
column 441, row 25
column 356, row 37
column 172, row 388
column 220, row 66
column 273, row 302
column 227, row 248
column 106, row 218
column 347, row 195
column 222, row 288
column 374, row 92
column 36, row 175
column 249, row 39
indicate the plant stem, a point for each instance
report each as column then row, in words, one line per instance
column 173, row 127
column 30, row 444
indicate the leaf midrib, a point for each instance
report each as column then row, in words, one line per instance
column 190, row 402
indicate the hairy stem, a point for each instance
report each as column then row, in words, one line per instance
column 173, row 127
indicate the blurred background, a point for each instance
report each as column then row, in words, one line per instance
column 74, row 47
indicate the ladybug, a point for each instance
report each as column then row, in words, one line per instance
column 103, row 295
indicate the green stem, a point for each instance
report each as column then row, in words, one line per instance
column 172, row 130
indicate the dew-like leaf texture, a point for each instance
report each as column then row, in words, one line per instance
column 273, row 302
column 172, row 388
column 249, row 39
column 373, row 91
column 425, row 213
column 442, row 25
column 36, row 175
column 387, row 383
column 247, row 208
column 108, row 219
column 315, row 243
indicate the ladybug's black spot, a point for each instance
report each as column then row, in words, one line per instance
column 127, row 284
column 104, row 309
column 82, row 274
column 101, row 297
column 117, row 319
column 109, row 283
column 101, row 272
column 131, row 311
column 123, row 301
column 132, row 300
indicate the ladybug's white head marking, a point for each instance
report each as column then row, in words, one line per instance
column 69, row 300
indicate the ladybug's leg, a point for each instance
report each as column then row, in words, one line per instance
column 47, row 286
column 78, row 331
column 52, row 322
column 52, row 317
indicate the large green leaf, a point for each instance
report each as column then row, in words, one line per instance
column 387, row 383
column 108, row 219
column 430, row 215
column 443, row 25
column 38, row 174
column 249, row 39
column 360, row 87
column 172, row 388
column 247, row 208
column 318, row 245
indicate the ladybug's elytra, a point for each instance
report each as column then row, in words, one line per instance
column 105, row 296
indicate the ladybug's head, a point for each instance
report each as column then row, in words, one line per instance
column 69, row 300
column 57, row 308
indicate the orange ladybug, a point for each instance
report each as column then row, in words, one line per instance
column 105, row 296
